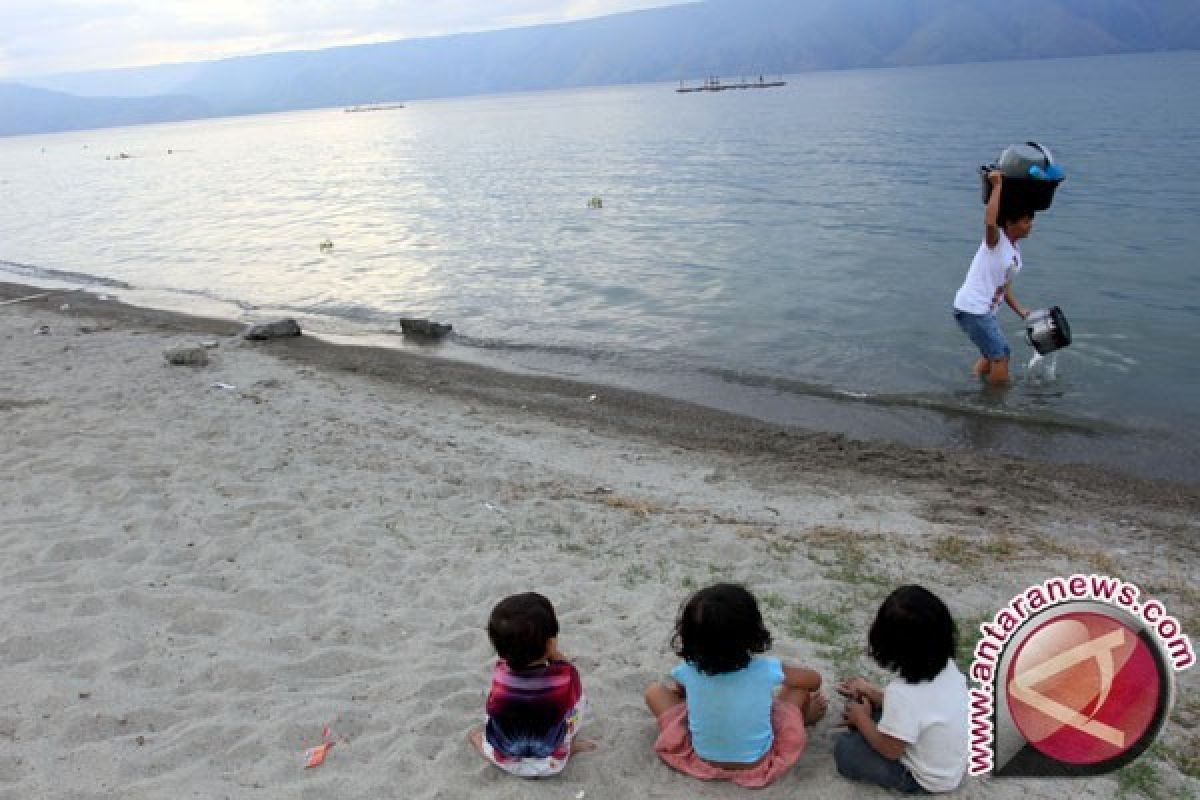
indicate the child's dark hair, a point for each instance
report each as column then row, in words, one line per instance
column 1013, row 213
column 520, row 627
column 913, row 634
column 719, row 629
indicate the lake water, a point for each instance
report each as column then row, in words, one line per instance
column 789, row 253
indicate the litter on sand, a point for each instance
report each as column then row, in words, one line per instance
column 225, row 386
column 315, row 756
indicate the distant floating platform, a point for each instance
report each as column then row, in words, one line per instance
column 374, row 107
column 717, row 85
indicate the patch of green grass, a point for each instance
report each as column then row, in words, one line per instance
column 664, row 568
column 773, row 601
column 1138, row 780
column 847, row 562
column 1186, row 758
column 968, row 637
column 955, row 550
column 816, row 625
column 635, row 575
column 720, row 572
column 1141, row 778
column 1001, row 547
column 1045, row 546
column 780, row 546
column 1103, row 563
column 846, row 658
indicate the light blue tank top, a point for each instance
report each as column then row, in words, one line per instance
column 729, row 715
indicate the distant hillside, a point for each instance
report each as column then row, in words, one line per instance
column 27, row 110
column 723, row 37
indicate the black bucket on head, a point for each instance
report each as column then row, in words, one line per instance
column 1030, row 178
column 1047, row 330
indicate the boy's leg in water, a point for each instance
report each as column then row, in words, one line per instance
column 998, row 373
column 984, row 332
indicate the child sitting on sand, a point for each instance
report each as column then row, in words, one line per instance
column 912, row 735
column 721, row 718
column 536, row 701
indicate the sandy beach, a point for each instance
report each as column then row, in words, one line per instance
column 205, row 567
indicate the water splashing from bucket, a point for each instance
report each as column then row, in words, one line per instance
column 1043, row 368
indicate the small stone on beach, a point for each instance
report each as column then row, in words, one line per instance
column 423, row 327
column 279, row 329
column 186, row 357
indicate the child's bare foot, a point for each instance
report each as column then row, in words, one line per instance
column 982, row 367
column 582, row 746
column 815, row 708
column 475, row 737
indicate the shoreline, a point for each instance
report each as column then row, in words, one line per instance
column 631, row 412
column 972, row 420
column 202, row 568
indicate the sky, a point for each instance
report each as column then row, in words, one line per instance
column 44, row 37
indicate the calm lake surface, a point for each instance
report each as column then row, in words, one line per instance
column 788, row 253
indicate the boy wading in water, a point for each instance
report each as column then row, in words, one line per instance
column 989, row 279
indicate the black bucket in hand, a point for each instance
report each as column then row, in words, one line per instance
column 1047, row 330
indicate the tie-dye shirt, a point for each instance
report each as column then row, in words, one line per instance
column 529, row 710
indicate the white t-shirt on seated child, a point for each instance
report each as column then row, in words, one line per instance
column 932, row 717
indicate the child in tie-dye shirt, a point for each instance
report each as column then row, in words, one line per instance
column 536, row 701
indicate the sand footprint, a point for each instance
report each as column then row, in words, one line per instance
column 78, row 550
column 195, row 622
column 13, row 769
column 459, row 641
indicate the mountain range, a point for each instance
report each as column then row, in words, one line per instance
column 717, row 37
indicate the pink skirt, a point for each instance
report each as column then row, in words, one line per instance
column 674, row 747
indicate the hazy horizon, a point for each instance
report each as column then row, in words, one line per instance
column 651, row 44
column 43, row 41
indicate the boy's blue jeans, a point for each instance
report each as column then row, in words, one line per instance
column 858, row 761
column 984, row 331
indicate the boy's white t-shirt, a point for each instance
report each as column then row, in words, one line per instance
column 931, row 717
column 990, row 270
